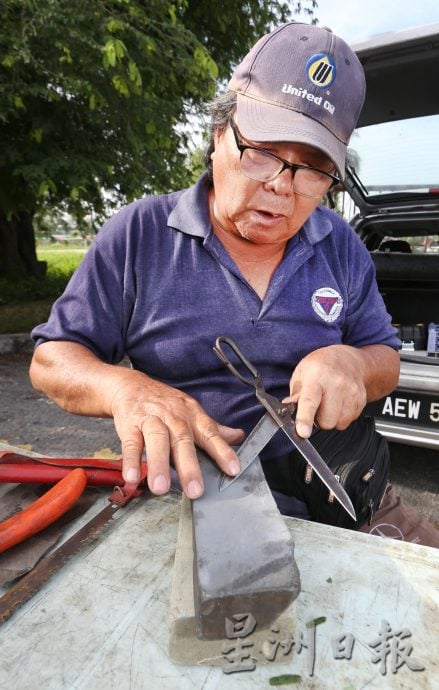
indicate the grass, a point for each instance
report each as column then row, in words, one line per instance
column 27, row 303
column 22, row 317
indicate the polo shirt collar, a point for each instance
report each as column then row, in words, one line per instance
column 317, row 227
column 191, row 213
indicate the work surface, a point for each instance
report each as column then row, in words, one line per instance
column 367, row 615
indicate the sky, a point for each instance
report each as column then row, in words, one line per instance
column 355, row 20
column 384, row 152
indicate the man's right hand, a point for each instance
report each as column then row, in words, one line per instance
column 147, row 414
column 168, row 424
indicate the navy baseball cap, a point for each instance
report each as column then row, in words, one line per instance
column 300, row 83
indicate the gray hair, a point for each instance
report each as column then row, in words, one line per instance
column 221, row 111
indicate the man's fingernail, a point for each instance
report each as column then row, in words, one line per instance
column 304, row 430
column 132, row 475
column 233, row 467
column 160, row 484
column 194, row 489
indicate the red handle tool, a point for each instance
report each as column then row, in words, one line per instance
column 35, row 469
column 70, row 476
column 45, row 510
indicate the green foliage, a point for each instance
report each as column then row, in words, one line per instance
column 94, row 93
column 196, row 164
column 22, row 317
column 286, row 679
column 60, row 266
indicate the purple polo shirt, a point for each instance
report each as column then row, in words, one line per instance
column 158, row 286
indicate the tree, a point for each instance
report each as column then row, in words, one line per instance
column 94, row 96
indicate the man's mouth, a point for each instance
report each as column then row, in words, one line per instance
column 269, row 215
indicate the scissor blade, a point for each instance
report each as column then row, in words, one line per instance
column 258, row 438
column 313, row 458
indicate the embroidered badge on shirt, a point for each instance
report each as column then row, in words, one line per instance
column 327, row 303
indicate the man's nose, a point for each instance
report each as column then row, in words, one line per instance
column 282, row 183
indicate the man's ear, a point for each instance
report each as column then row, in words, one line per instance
column 216, row 138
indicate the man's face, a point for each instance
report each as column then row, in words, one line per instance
column 261, row 212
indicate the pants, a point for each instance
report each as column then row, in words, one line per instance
column 392, row 520
column 395, row 520
column 349, row 454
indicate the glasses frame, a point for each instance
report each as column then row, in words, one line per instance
column 293, row 167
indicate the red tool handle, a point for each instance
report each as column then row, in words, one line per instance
column 70, row 476
column 20, row 468
column 45, row 474
column 43, row 511
column 9, row 457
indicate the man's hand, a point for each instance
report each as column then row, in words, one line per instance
column 147, row 414
column 331, row 385
column 168, row 423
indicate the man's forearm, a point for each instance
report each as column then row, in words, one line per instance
column 381, row 370
column 77, row 380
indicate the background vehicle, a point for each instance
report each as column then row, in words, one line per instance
column 393, row 183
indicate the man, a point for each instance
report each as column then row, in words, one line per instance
column 247, row 252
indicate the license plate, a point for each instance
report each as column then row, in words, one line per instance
column 414, row 408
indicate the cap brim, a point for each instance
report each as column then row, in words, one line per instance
column 258, row 121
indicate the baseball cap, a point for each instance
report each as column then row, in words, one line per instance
column 300, row 83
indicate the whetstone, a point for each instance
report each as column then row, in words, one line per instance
column 184, row 645
column 244, row 564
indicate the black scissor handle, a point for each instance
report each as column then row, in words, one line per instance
column 218, row 350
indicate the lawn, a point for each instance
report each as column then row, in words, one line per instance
column 26, row 303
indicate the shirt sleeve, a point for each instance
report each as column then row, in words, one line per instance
column 94, row 308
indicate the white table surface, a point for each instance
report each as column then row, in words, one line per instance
column 102, row 620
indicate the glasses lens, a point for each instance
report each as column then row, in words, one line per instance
column 259, row 165
column 311, row 182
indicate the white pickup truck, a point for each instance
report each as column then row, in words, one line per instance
column 393, row 180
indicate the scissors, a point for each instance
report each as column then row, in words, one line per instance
column 277, row 416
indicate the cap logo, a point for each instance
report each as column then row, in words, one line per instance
column 321, row 70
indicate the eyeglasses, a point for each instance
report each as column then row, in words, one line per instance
column 263, row 166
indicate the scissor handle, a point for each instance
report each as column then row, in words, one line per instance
column 224, row 340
